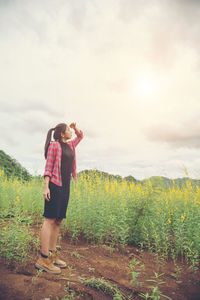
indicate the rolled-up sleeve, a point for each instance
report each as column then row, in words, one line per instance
column 49, row 161
column 77, row 140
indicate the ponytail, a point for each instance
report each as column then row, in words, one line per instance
column 60, row 128
column 48, row 140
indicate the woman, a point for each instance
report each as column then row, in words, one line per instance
column 60, row 164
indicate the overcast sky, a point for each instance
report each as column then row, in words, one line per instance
column 127, row 72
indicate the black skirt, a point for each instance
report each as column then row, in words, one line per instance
column 59, row 198
column 59, row 195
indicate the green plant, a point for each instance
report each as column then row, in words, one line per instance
column 58, row 247
column 111, row 248
column 135, row 269
column 70, row 294
column 156, row 214
column 35, row 278
column 103, row 285
column 17, row 242
column 155, row 291
column 118, row 296
column 71, row 269
column 75, row 254
column 177, row 274
column 91, row 269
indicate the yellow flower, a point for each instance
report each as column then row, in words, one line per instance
column 1, row 173
column 19, row 192
column 169, row 221
column 107, row 187
column 182, row 219
column 18, row 200
column 186, row 171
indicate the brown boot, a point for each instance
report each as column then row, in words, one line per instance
column 47, row 265
column 56, row 261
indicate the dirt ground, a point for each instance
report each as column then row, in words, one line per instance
column 85, row 260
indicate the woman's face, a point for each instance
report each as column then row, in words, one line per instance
column 68, row 133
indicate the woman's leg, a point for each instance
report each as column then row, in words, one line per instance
column 45, row 234
column 52, row 245
column 45, row 261
column 54, row 234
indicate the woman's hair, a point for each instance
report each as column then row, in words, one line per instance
column 60, row 128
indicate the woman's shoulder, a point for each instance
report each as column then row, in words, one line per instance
column 54, row 144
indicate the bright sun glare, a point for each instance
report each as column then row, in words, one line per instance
column 146, row 86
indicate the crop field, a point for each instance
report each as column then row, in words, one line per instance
column 154, row 224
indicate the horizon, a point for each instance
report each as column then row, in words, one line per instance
column 110, row 174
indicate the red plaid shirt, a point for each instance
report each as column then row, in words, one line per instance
column 53, row 162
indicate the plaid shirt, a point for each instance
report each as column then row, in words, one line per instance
column 53, row 162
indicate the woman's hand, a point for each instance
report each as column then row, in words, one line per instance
column 77, row 131
column 46, row 193
column 73, row 126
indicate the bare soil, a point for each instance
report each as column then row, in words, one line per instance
column 86, row 260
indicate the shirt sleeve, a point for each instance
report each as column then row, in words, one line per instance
column 49, row 161
column 77, row 140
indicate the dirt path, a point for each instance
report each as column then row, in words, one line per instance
column 84, row 261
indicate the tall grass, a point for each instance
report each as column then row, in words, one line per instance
column 165, row 220
column 18, row 197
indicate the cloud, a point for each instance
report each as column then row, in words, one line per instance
column 9, row 139
column 6, row 2
column 26, row 121
column 163, row 26
column 29, row 105
column 92, row 134
column 77, row 13
column 186, row 134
